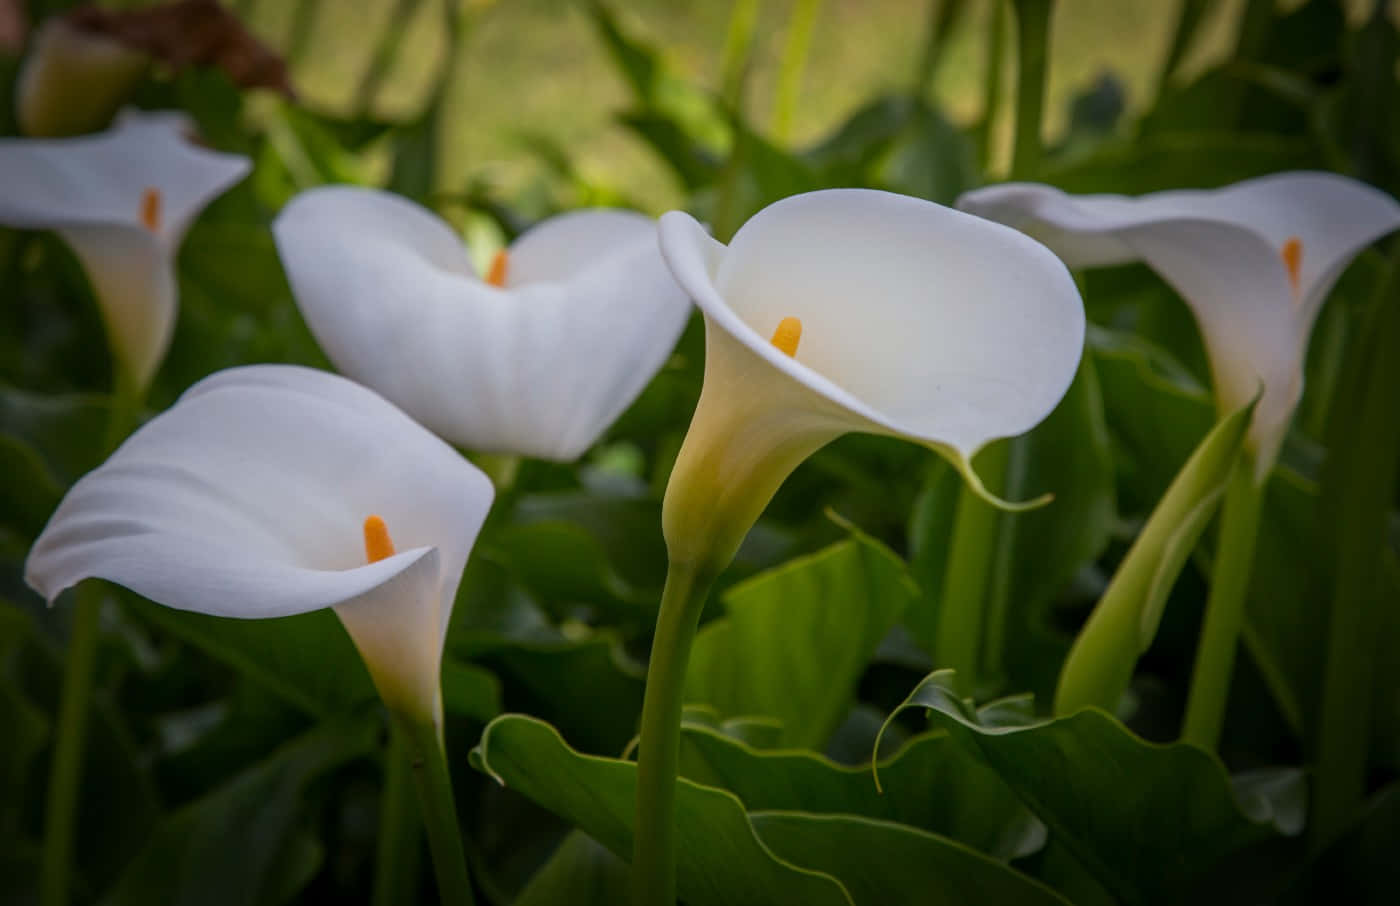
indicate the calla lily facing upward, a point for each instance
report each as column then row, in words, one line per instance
column 835, row 311
column 856, row 310
column 1254, row 261
column 275, row 490
column 536, row 358
column 123, row 200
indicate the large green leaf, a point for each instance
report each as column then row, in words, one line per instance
column 192, row 856
column 720, row 859
column 931, row 783
column 1147, row 820
column 725, row 855
column 887, row 864
column 796, row 639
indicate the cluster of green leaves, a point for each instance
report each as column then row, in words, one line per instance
column 243, row 762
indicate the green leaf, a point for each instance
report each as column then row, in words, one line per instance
column 192, row 856
column 796, row 639
column 589, row 687
column 931, row 783
column 727, row 856
column 720, row 859
column 1124, row 622
column 469, row 690
column 1147, row 820
column 581, row 872
column 307, row 659
column 886, row 864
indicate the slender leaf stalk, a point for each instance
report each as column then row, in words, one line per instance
column 75, row 700
column 799, row 42
column 991, row 94
column 653, row 841
column 1225, row 607
column 972, row 556
column 738, row 49
column 428, row 759
column 65, row 774
column 1032, row 54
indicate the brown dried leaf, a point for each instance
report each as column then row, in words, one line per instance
column 189, row 33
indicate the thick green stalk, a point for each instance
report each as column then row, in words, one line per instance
column 1225, row 607
column 396, row 856
column 1032, row 53
column 972, row 556
column 942, row 16
column 738, row 45
column 799, row 41
column 65, row 775
column 653, row 841
column 1188, row 20
column 1358, row 485
column 428, row 758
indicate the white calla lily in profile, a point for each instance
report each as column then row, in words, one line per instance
column 1254, row 261
column 273, row 490
column 834, row 311
column 538, row 357
column 123, row 200
column 857, row 310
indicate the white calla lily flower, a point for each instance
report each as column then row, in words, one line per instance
column 857, row 310
column 538, row 357
column 272, row 490
column 73, row 80
column 123, row 200
column 1254, row 261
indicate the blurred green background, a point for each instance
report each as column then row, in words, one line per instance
column 524, row 61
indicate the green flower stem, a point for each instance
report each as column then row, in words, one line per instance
column 69, row 737
column 396, row 857
column 428, row 759
column 972, row 556
column 1215, row 654
column 1032, row 52
column 653, row 841
column 65, row 771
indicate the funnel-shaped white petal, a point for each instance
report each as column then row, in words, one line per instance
column 248, row 498
column 917, row 321
column 123, row 199
column 1254, row 261
column 540, row 366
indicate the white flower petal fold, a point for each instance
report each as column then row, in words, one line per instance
column 248, row 498
column 539, row 366
column 1254, row 261
column 917, row 321
column 123, row 199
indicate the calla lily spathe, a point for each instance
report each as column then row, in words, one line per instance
column 272, row 490
column 911, row 319
column 538, row 358
column 73, row 80
column 1254, row 261
column 123, row 200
